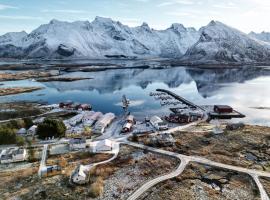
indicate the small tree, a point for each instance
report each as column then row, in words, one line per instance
column 134, row 138
column 14, row 124
column 20, row 141
column 96, row 189
column 62, row 162
column 51, row 128
column 7, row 135
column 28, row 122
column 87, row 130
column 31, row 151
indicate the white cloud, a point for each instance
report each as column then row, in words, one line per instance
column 4, row 7
column 142, row 0
column 20, row 17
column 173, row 2
column 168, row 3
column 179, row 14
column 225, row 6
column 64, row 11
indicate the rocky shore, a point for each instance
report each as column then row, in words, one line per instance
column 17, row 90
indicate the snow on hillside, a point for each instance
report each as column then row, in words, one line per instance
column 263, row 36
column 221, row 43
column 105, row 38
column 12, row 37
column 100, row 38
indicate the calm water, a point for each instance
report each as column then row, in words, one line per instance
column 243, row 88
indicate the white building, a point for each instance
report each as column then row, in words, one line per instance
column 104, row 122
column 89, row 120
column 19, row 155
column 75, row 120
column 127, row 127
column 13, row 155
column 67, row 125
column 158, row 123
column 101, row 146
column 32, row 130
column 39, row 120
column 74, row 131
column 130, row 119
column 80, row 175
column 21, row 131
column 77, row 144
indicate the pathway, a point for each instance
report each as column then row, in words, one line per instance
column 43, row 159
column 185, row 159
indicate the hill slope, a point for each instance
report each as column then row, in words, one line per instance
column 220, row 43
column 98, row 39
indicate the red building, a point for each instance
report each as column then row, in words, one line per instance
column 66, row 104
column 223, row 109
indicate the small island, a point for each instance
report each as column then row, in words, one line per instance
column 62, row 79
column 23, row 75
column 17, row 90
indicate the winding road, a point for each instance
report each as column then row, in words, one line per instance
column 185, row 160
column 115, row 151
column 157, row 180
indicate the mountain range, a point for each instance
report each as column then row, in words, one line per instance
column 105, row 38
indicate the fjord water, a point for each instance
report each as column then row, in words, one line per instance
column 244, row 88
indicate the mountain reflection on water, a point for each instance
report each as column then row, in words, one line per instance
column 242, row 88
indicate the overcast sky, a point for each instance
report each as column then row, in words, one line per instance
column 246, row 15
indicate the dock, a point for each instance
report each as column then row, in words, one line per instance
column 183, row 100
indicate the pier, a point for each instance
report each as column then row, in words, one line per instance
column 183, row 100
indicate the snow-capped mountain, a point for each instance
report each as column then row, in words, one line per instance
column 263, row 36
column 105, row 38
column 99, row 39
column 12, row 37
column 220, row 43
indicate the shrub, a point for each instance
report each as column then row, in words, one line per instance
column 32, row 155
column 20, row 140
column 96, row 189
column 134, row 138
column 28, row 122
column 51, row 128
column 7, row 135
column 15, row 124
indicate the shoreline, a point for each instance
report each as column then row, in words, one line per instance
column 18, row 90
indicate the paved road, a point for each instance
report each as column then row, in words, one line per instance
column 43, row 159
column 115, row 151
column 230, row 167
column 263, row 193
column 157, row 180
column 253, row 173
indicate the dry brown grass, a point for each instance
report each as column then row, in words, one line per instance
column 96, row 188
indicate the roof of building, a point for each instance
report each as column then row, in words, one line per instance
column 21, row 131
column 80, row 170
column 156, row 119
column 32, row 128
column 105, row 142
column 77, row 141
column 19, row 151
column 223, row 106
column 106, row 118
column 85, row 105
column 130, row 118
column 127, row 125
